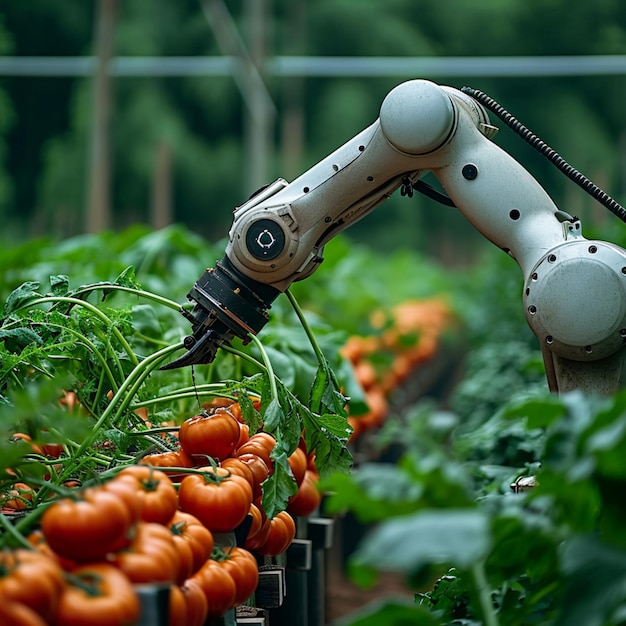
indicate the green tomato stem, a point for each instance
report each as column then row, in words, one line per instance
column 136, row 378
column 307, row 328
column 268, row 366
column 128, row 388
column 484, row 595
column 12, row 532
column 137, row 292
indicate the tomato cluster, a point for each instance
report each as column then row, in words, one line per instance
column 229, row 467
column 157, row 522
column 406, row 338
column 91, row 549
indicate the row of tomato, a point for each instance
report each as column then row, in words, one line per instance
column 401, row 342
column 156, row 522
column 93, row 548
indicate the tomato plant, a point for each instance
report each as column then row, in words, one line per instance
column 95, row 434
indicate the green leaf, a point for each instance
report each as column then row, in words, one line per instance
column 250, row 415
column 21, row 296
column 59, row 284
column 120, row 439
column 596, row 579
column 127, row 278
column 372, row 493
column 318, row 389
column 273, row 416
column 279, row 487
column 539, row 412
column 459, row 537
column 391, row 612
column 327, row 435
column 16, row 339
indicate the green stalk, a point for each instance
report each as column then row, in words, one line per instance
column 188, row 392
column 268, row 366
column 307, row 329
column 136, row 378
column 11, row 531
column 484, row 595
column 321, row 359
column 128, row 388
column 137, row 292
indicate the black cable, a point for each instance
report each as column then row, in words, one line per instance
column 582, row 181
column 432, row 193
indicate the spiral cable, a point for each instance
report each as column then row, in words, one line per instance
column 573, row 174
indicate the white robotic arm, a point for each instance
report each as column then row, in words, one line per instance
column 574, row 289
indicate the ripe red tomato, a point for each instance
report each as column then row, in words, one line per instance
column 219, row 499
column 261, row 444
column 88, row 527
column 244, row 435
column 253, row 542
column 166, row 460
column 18, row 497
column 154, row 490
column 258, row 517
column 196, row 603
column 281, row 533
column 18, row 614
column 298, row 463
column 30, row 578
column 243, row 568
column 236, row 466
column 194, row 543
column 218, row 586
column 259, row 468
column 177, row 607
column 150, row 557
column 212, row 435
column 102, row 590
column 304, row 503
column 188, row 605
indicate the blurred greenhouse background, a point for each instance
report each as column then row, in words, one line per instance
column 154, row 113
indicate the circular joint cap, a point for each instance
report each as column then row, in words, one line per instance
column 417, row 117
column 265, row 239
column 576, row 300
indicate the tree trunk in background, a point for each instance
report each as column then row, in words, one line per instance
column 98, row 216
column 261, row 111
column 161, row 209
column 259, row 125
column 292, row 130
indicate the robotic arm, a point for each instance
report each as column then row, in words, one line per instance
column 574, row 290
